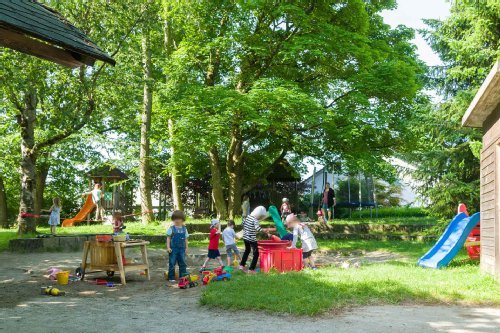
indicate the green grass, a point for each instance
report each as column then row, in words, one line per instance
column 408, row 249
column 334, row 289
column 388, row 220
column 5, row 236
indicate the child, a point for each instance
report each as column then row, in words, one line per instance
column 213, row 244
column 303, row 217
column 96, row 199
column 118, row 223
column 177, row 245
column 250, row 228
column 229, row 238
column 55, row 212
column 306, row 238
column 285, row 209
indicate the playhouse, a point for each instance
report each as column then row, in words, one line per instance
column 484, row 112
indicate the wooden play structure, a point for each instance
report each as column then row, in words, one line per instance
column 109, row 257
column 484, row 112
column 117, row 192
column 118, row 195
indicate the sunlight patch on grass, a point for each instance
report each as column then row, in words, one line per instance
column 334, row 289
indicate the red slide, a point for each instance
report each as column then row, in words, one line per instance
column 87, row 208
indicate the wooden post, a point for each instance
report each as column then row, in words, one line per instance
column 311, row 209
column 349, row 193
column 359, row 193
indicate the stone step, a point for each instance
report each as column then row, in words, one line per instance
column 336, row 227
column 75, row 243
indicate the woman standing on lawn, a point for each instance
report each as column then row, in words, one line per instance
column 327, row 202
column 250, row 228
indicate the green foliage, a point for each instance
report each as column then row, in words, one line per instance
column 278, row 79
column 393, row 212
column 446, row 154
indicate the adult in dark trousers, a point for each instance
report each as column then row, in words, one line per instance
column 328, row 201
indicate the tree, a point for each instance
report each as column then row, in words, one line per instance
column 252, row 82
column 51, row 103
column 445, row 153
column 144, row 158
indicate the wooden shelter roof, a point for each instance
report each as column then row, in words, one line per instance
column 33, row 28
column 486, row 100
column 283, row 172
column 106, row 171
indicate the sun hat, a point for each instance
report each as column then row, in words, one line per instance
column 214, row 223
column 259, row 212
column 285, row 200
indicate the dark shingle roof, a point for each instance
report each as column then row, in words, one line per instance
column 36, row 20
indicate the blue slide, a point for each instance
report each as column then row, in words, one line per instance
column 450, row 242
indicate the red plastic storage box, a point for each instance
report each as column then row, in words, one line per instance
column 275, row 255
column 474, row 236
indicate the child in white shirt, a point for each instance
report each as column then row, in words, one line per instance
column 229, row 238
column 307, row 239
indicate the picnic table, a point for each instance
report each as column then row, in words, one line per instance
column 109, row 257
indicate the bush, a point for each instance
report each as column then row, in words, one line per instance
column 383, row 212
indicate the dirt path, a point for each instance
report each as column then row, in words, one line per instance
column 154, row 307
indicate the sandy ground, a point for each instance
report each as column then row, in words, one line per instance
column 154, row 307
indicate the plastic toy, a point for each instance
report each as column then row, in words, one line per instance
column 52, row 291
column 450, row 242
column 207, row 277
column 275, row 214
column 218, row 274
column 188, row 281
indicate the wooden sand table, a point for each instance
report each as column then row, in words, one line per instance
column 108, row 257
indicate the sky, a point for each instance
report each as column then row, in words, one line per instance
column 410, row 13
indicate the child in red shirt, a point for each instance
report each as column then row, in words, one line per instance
column 213, row 244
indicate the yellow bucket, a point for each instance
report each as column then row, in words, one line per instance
column 62, row 277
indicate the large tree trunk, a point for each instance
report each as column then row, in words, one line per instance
column 26, row 120
column 4, row 222
column 40, row 180
column 234, row 168
column 174, row 171
column 217, row 188
column 144, row 168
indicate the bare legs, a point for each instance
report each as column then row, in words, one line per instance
column 208, row 259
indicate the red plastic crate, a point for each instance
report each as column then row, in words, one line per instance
column 474, row 236
column 283, row 260
column 273, row 244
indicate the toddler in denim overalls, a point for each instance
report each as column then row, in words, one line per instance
column 177, row 245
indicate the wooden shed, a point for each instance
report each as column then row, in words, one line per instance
column 484, row 112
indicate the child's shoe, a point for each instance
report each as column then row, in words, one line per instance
column 242, row 268
column 172, row 281
column 202, row 268
column 251, row 271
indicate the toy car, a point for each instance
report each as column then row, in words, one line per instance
column 223, row 277
column 188, row 281
column 207, row 277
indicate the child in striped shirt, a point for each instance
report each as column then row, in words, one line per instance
column 250, row 228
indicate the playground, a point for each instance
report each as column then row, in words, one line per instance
column 250, row 166
column 347, row 298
